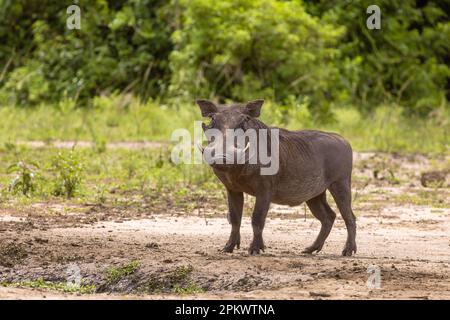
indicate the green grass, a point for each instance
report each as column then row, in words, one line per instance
column 177, row 280
column 111, row 120
column 102, row 175
column 432, row 199
column 115, row 274
column 98, row 176
column 47, row 285
column 190, row 288
column 387, row 130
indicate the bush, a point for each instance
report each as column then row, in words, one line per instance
column 25, row 180
column 405, row 62
column 318, row 54
column 122, row 45
column 254, row 48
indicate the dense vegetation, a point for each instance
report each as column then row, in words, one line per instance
column 318, row 54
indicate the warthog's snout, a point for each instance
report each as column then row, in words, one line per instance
column 217, row 155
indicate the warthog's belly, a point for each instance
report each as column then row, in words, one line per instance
column 293, row 190
column 297, row 198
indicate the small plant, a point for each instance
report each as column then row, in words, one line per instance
column 69, row 174
column 178, row 281
column 189, row 289
column 100, row 196
column 25, row 179
column 59, row 286
column 10, row 147
column 99, row 144
column 130, row 166
column 115, row 274
column 181, row 273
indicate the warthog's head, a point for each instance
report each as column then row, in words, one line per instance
column 232, row 133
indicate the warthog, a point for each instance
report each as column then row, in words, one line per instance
column 310, row 162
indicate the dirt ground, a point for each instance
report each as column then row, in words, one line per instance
column 403, row 231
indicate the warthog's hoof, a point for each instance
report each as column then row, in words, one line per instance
column 256, row 248
column 229, row 247
column 349, row 249
column 233, row 241
column 312, row 249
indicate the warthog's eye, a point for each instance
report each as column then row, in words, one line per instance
column 243, row 124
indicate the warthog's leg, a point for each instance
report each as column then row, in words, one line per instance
column 342, row 194
column 235, row 206
column 322, row 211
column 259, row 215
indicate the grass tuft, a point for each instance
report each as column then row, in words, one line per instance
column 115, row 274
column 47, row 285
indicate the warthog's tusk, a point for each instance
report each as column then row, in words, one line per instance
column 242, row 152
column 199, row 146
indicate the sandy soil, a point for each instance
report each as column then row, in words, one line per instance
column 408, row 242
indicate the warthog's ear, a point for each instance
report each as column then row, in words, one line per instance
column 253, row 108
column 207, row 107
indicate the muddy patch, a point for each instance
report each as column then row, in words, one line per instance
column 180, row 256
column 11, row 254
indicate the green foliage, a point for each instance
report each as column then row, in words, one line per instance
column 317, row 54
column 25, row 84
column 25, row 177
column 406, row 62
column 68, row 171
column 122, row 45
column 267, row 48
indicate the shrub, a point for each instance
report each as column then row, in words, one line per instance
column 68, row 174
column 25, row 178
column 248, row 48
